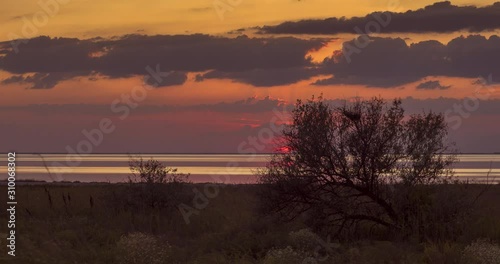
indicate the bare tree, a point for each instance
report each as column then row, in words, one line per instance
column 152, row 193
column 153, row 183
column 153, row 172
column 351, row 164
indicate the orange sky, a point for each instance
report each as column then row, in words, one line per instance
column 91, row 18
column 81, row 91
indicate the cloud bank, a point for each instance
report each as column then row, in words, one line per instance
column 440, row 17
column 262, row 62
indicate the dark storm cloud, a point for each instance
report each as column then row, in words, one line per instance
column 201, row 52
column 13, row 79
column 390, row 62
column 432, row 85
column 263, row 62
column 263, row 77
column 40, row 80
column 173, row 78
column 440, row 17
column 48, row 55
column 130, row 55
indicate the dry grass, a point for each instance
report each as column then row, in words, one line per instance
column 79, row 224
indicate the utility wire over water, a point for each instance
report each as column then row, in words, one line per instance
column 114, row 167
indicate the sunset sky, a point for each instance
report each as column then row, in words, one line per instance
column 202, row 76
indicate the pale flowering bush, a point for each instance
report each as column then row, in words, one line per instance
column 481, row 252
column 138, row 248
column 285, row 256
column 304, row 240
column 304, row 248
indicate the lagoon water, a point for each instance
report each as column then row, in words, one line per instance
column 228, row 168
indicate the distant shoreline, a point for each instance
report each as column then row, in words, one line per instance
column 208, row 153
column 3, row 183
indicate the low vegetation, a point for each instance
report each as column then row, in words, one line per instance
column 60, row 224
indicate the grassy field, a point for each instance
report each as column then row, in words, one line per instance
column 96, row 223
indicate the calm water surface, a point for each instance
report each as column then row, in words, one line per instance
column 233, row 168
